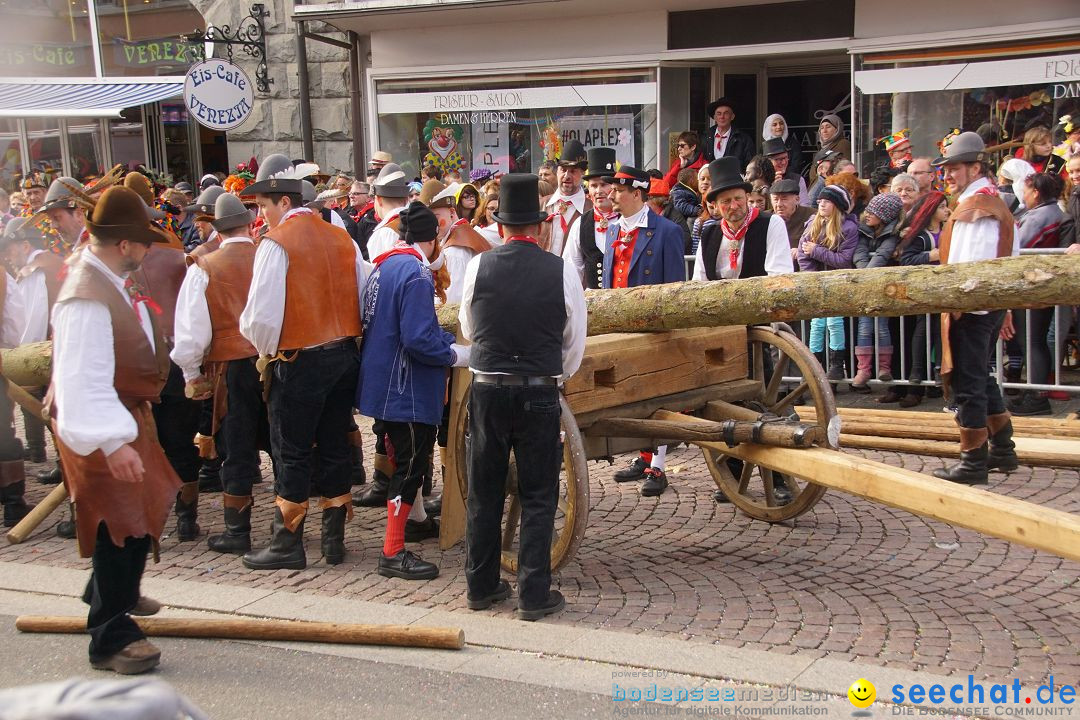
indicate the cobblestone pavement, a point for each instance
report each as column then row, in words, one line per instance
column 850, row 579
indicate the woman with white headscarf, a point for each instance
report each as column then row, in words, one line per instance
column 776, row 127
column 1010, row 181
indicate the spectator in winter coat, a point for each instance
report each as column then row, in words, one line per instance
column 689, row 157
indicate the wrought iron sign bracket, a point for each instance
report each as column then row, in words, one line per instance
column 250, row 35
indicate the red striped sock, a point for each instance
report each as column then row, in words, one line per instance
column 646, row 457
column 397, row 513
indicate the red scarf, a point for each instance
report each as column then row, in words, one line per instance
column 407, row 250
column 735, row 238
column 523, row 239
column 135, row 292
column 602, row 220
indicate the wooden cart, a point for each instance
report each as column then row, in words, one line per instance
column 731, row 376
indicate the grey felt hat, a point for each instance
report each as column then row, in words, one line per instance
column 229, row 212
column 277, row 174
column 391, row 182
column 965, row 147
column 204, row 204
column 60, row 195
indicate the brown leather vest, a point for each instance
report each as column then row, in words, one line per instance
column 466, row 236
column 53, row 266
column 976, row 207
column 160, row 277
column 140, row 371
column 229, row 270
column 205, row 249
column 321, row 298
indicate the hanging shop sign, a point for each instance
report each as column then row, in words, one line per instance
column 613, row 131
column 218, row 94
column 480, row 106
column 1057, row 70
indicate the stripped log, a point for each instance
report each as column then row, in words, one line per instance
column 916, row 422
column 37, row 515
column 1033, row 452
column 780, row 433
column 1000, row 516
column 272, row 630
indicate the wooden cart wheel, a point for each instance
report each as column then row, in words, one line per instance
column 572, row 512
column 750, row 487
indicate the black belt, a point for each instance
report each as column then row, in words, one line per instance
column 344, row 342
column 522, row 380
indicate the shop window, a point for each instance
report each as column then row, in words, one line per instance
column 87, row 155
column 128, row 138
column 45, row 38
column 142, row 37
column 514, row 124
column 10, row 153
column 43, row 142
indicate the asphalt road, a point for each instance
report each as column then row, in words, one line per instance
column 238, row 680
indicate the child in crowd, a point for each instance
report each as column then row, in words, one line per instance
column 878, row 239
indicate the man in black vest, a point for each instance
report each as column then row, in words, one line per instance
column 745, row 243
column 524, row 311
column 587, row 239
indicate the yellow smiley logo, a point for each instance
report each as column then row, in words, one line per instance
column 862, row 693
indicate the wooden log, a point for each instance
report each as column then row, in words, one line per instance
column 37, row 515
column 1027, row 281
column 28, row 365
column 273, row 630
column 780, row 434
column 930, row 425
column 1034, row 452
column 999, row 516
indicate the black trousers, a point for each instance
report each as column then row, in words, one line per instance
column 412, row 457
column 525, row 420
column 311, row 401
column 177, row 420
column 112, row 591
column 244, row 425
column 974, row 388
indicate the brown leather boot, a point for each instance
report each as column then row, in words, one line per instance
column 971, row 470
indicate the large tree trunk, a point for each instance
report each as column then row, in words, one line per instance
column 1029, row 281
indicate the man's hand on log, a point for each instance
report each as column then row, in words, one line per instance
column 125, row 464
column 1008, row 330
column 199, row 388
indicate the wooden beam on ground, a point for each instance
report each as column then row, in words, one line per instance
column 781, row 434
column 1033, row 452
column 1000, row 516
column 37, row 514
column 272, row 630
column 917, row 421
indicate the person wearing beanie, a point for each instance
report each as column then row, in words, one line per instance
column 878, row 239
column 403, row 375
column 828, row 243
column 304, row 323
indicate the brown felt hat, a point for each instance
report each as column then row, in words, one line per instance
column 121, row 214
column 141, row 185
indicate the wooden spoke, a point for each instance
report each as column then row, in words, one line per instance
column 744, row 476
column 767, row 483
column 789, row 399
column 777, row 377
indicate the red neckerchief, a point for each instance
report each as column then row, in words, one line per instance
column 601, row 220
column 735, row 238
column 625, row 239
column 523, row 239
column 409, row 250
column 562, row 205
column 987, row 190
column 134, row 291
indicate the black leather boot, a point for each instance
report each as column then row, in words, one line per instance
column 374, row 494
column 187, row 512
column 51, row 477
column 433, row 506
column 359, row 474
column 66, row 528
column 971, row 470
column 210, row 475
column 236, row 539
column 333, row 534
column 15, row 507
column 286, row 550
column 837, row 359
column 1002, row 456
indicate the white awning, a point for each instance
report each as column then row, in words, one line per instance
column 82, row 97
column 1048, row 70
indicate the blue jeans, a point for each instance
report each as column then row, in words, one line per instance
column 835, row 326
column 865, row 334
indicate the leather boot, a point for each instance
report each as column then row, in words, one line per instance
column 864, row 358
column 66, row 528
column 1002, row 456
column 236, row 539
column 837, row 358
column 971, row 470
column 35, row 438
column 12, row 488
column 356, row 452
column 286, row 549
column 51, row 477
column 187, row 512
column 210, row 475
column 884, row 364
column 335, row 512
column 374, row 494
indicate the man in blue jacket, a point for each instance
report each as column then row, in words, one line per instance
column 403, row 375
column 646, row 249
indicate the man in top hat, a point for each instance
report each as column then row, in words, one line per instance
column 403, row 375
column 588, row 237
column 304, row 320
column 12, row 321
column 722, row 139
column 643, row 249
column 109, row 363
column 524, row 311
column 202, row 238
column 777, row 152
column 980, row 228
column 391, row 191
column 569, row 201
column 784, row 195
column 218, row 362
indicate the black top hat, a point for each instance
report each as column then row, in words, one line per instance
column 773, row 146
column 601, row 162
column 519, row 200
column 724, row 175
column 720, row 102
column 573, row 154
column 631, row 177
